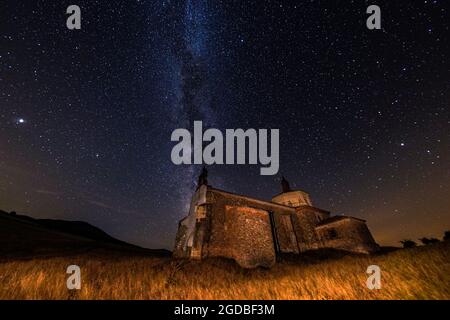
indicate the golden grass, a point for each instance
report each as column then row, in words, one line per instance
column 417, row 273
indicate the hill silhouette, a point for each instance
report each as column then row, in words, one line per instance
column 22, row 236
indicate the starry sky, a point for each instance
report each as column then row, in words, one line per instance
column 86, row 116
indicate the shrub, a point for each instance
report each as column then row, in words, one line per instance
column 408, row 243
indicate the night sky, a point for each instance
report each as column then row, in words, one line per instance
column 86, row 116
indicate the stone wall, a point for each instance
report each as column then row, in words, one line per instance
column 187, row 227
column 179, row 250
column 284, row 228
column 249, row 236
column 347, row 234
column 293, row 198
column 304, row 222
column 218, row 243
column 219, row 200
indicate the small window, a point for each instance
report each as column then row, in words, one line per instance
column 332, row 234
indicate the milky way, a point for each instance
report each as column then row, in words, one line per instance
column 86, row 116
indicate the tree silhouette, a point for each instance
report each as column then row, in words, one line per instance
column 446, row 235
column 427, row 241
column 408, row 243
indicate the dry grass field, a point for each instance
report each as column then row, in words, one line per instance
column 416, row 273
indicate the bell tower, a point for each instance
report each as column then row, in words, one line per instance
column 285, row 185
column 203, row 178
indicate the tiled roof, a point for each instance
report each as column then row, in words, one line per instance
column 335, row 219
